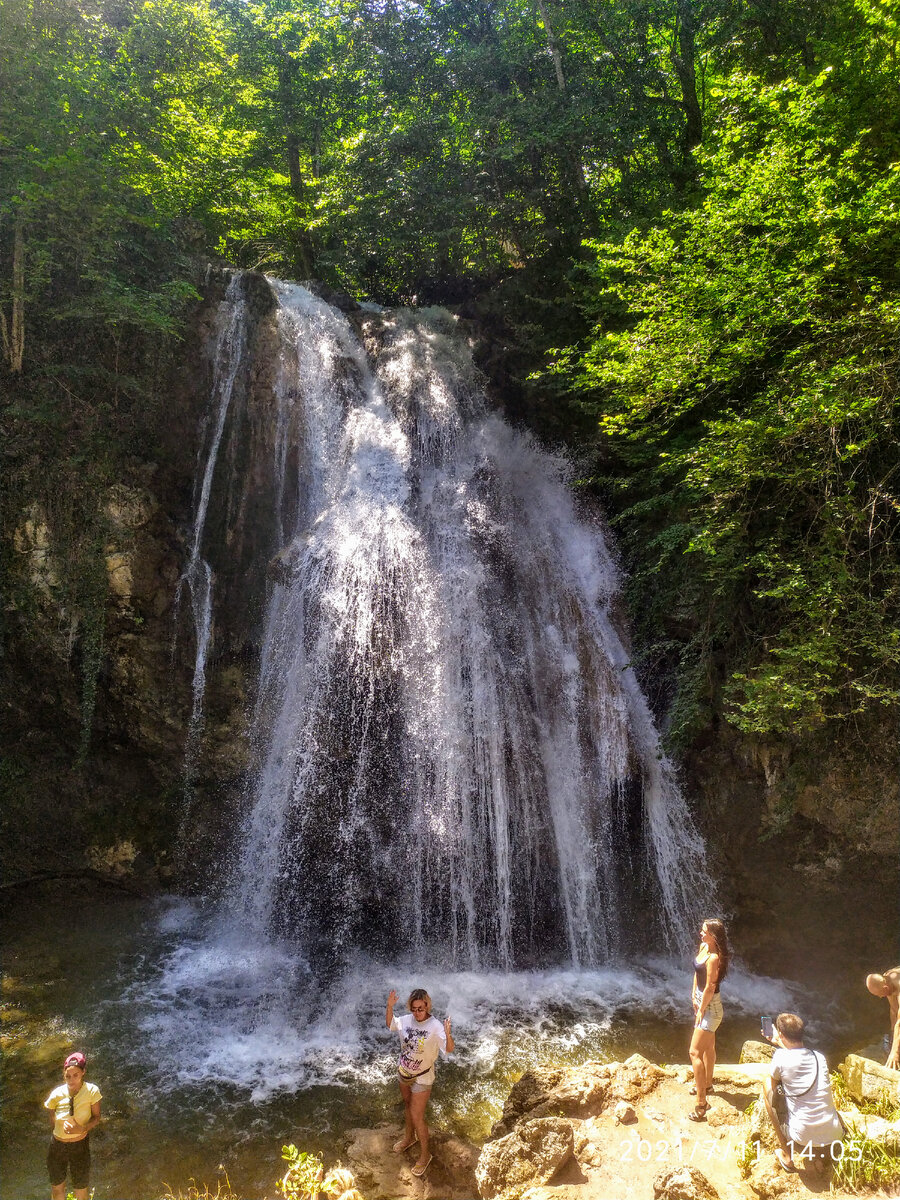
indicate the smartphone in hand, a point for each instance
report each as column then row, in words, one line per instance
column 767, row 1027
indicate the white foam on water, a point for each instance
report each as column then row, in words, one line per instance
column 216, row 1010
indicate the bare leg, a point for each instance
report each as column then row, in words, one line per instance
column 417, row 1114
column 700, row 1043
column 81, row 1193
column 58, row 1191
column 783, row 1148
column 709, row 1060
column 409, row 1134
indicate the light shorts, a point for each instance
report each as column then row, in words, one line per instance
column 421, row 1083
column 712, row 1018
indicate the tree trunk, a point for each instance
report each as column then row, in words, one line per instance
column 14, row 332
column 683, row 56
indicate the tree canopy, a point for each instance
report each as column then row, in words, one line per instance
column 680, row 215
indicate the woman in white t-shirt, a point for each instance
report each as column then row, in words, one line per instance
column 75, row 1109
column 422, row 1038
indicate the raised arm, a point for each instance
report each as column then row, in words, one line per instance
column 451, row 1045
column 392, row 1000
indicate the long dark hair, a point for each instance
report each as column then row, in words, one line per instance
column 720, row 937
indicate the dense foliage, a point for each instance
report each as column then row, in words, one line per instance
column 694, row 201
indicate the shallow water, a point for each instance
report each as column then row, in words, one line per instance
column 212, row 1054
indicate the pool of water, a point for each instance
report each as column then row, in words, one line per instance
column 212, row 1053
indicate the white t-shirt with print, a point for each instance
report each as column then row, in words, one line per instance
column 420, row 1043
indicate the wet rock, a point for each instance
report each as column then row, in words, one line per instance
column 683, row 1183
column 529, row 1156
column 336, row 297
column 868, row 1080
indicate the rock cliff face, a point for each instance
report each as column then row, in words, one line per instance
column 802, row 810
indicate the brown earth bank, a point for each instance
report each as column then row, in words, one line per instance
column 799, row 830
column 621, row 1131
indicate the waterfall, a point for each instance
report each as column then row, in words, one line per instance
column 451, row 753
column 197, row 575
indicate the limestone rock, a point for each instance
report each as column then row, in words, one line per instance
column 761, row 1128
column 531, row 1155
column 527, row 1093
column 128, row 507
column 624, row 1113
column 683, row 1183
column 877, row 1129
column 769, row 1182
column 756, row 1052
column 868, row 1080
column 723, row 1114
column 381, row 1175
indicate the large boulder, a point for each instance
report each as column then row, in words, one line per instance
column 580, row 1092
column 529, row 1156
column 877, row 1129
column 756, row 1052
column 526, row 1093
column 683, row 1183
column 869, row 1081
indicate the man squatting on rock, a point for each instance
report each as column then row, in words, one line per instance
column 812, row 1119
column 422, row 1037
column 888, row 987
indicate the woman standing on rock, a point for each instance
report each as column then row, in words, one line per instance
column 710, row 968
column 422, row 1038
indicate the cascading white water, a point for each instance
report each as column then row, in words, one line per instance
column 454, row 754
column 197, row 575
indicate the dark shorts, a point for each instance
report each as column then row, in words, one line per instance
column 74, row 1156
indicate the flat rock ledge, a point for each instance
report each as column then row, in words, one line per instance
column 612, row 1131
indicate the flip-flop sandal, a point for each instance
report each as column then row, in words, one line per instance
column 420, row 1168
column 699, row 1113
column 785, row 1164
column 399, row 1147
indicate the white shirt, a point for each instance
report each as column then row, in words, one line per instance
column 812, row 1116
column 420, row 1043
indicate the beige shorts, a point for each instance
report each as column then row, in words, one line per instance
column 712, row 1018
column 419, row 1083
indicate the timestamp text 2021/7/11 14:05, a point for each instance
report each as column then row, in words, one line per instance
column 688, row 1150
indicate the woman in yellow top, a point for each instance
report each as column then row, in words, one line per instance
column 710, row 968
column 75, row 1111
